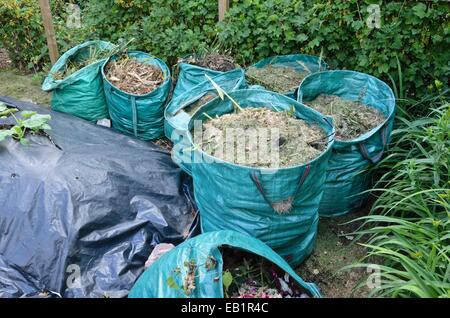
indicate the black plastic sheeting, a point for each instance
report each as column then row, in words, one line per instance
column 82, row 221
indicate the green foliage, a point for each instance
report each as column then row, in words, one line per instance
column 23, row 32
column 28, row 121
column 413, row 35
column 175, row 28
column 416, row 33
column 408, row 229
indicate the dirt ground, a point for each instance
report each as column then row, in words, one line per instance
column 333, row 250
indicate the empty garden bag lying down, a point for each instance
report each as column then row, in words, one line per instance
column 167, row 277
column 82, row 221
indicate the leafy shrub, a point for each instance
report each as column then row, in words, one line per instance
column 416, row 32
column 114, row 19
column 409, row 226
column 177, row 27
column 23, row 32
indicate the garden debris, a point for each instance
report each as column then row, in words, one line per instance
column 199, row 103
column 133, row 76
column 247, row 275
column 279, row 79
column 79, row 61
column 164, row 143
column 298, row 143
column 213, row 61
column 5, row 61
column 351, row 118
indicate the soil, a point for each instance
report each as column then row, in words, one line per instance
column 202, row 101
column 213, row 61
column 5, row 61
column 351, row 118
column 134, row 77
column 336, row 248
column 299, row 141
column 275, row 78
column 165, row 143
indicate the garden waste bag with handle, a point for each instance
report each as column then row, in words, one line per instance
column 348, row 172
column 177, row 114
column 189, row 76
column 81, row 93
column 163, row 277
column 278, row 206
column 299, row 62
column 139, row 115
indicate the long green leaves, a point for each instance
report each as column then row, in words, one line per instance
column 407, row 233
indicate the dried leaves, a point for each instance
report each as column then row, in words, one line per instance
column 213, row 61
column 134, row 77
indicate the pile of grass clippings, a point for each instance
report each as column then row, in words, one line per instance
column 213, row 61
column 199, row 103
column 351, row 118
column 278, row 79
column 299, row 142
column 132, row 76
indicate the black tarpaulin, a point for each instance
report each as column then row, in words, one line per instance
column 80, row 221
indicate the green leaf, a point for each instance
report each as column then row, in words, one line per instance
column 36, row 121
column 3, row 107
column 27, row 114
column 8, row 111
column 227, row 280
column 420, row 10
column 172, row 283
column 5, row 133
column 24, row 142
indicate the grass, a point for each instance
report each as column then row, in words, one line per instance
column 408, row 229
column 21, row 86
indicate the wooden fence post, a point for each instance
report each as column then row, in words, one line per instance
column 224, row 5
column 49, row 31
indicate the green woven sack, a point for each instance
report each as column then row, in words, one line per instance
column 177, row 119
column 158, row 280
column 139, row 115
column 348, row 174
column 247, row 199
column 80, row 94
column 190, row 76
column 295, row 61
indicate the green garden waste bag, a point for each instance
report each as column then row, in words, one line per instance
column 348, row 173
column 190, row 76
column 245, row 199
column 139, row 115
column 80, row 94
column 154, row 282
column 296, row 61
column 177, row 119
